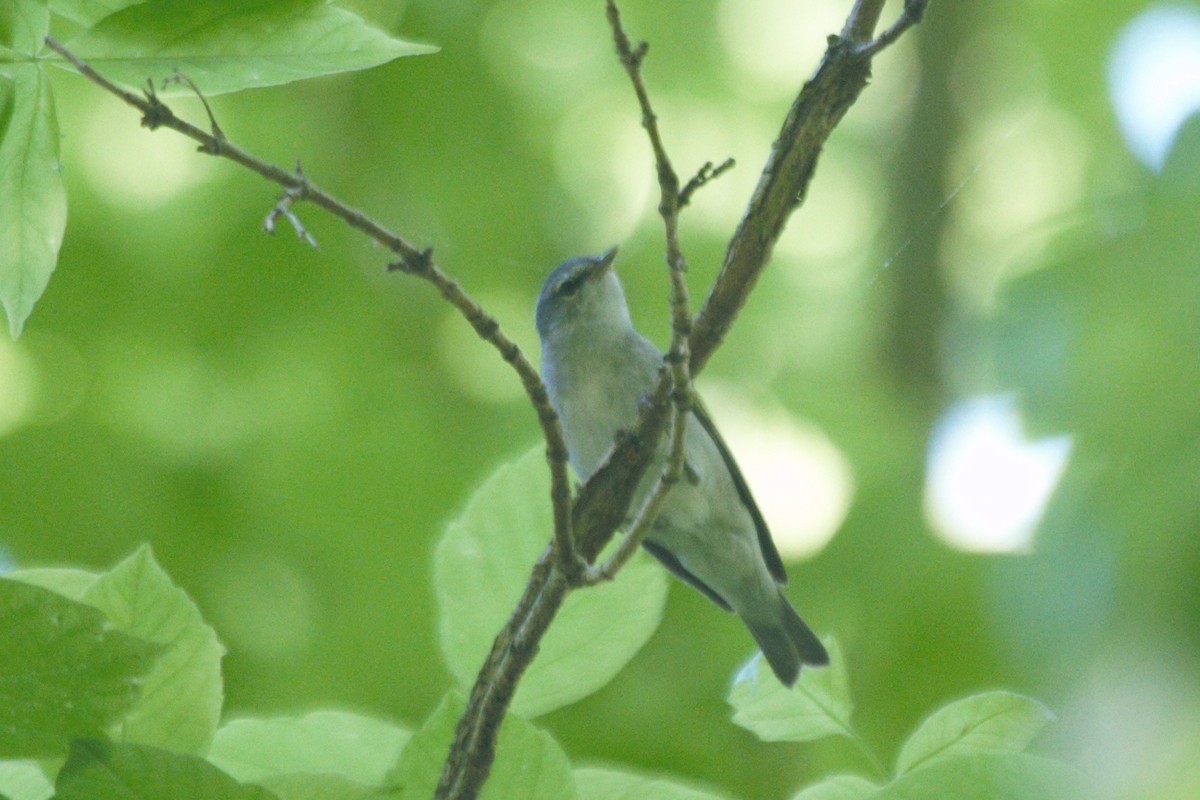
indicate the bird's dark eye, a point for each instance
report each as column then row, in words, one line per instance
column 570, row 286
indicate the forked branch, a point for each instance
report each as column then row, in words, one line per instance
column 602, row 503
column 583, row 526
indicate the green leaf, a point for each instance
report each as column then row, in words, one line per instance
column 23, row 780
column 97, row 770
column 529, row 764
column 819, row 704
column 302, row 786
column 416, row 772
column 481, row 565
column 23, row 26
column 336, row 742
column 89, row 12
column 592, row 783
column 227, row 45
column 67, row 581
column 63, row 672
column 1006, row 776
column 993, row 722
column 839, row 787
column 180, row 704
column 31, row 192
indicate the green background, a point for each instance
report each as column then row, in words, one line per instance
column 292, row 428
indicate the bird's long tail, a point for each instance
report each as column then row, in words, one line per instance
column 787, row 642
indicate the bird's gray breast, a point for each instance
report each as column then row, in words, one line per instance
column 595, row 386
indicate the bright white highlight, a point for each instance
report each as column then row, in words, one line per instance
column 986, row 484
column 799, row 478
column 1154, row 79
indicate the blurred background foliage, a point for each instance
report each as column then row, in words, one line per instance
column 965, row 390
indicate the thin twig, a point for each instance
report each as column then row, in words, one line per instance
column 180, row 77
column 631, row 58
column 862, row 20
column 671, row 200
column 705, row 174
column 599, row 508
column 473, row 748
column 413, row 260
column 913, row 11
column 283, row 208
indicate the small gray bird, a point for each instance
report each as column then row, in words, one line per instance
column 710, row 533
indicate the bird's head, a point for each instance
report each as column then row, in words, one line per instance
column 580, row 295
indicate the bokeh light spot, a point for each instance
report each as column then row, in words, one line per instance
column 545, row 51
column 1154, row 78
column 187, row 405
column 1019, row 171
column 471, row 363
column 136, row 168
column 261, row 606
column 603, row 161
column 62, row 373
column 777, row 42
column 840, row 217
column 799, row 478
column 18, row 386
column 986, row 484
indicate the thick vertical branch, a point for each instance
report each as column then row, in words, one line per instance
column 837, row 83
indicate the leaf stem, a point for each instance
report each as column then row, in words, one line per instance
column 868, row 752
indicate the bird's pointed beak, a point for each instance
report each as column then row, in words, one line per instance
column 602, row 263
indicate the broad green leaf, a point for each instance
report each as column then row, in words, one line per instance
column 24, row 780
column 227, row 45
column 818, row 705
column 64, row 673
column 67, row 581
column 839, row 787
column 98, row 770
column 481, row 565
column 89, row 12
column 993, row 722
column 181, row 698
column 23, row 26
column 416, row 772
column 528, row 764
column 31, row 192
column 360, row 748
column 593, row 783
column 1009, row 776
column 303, row 786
